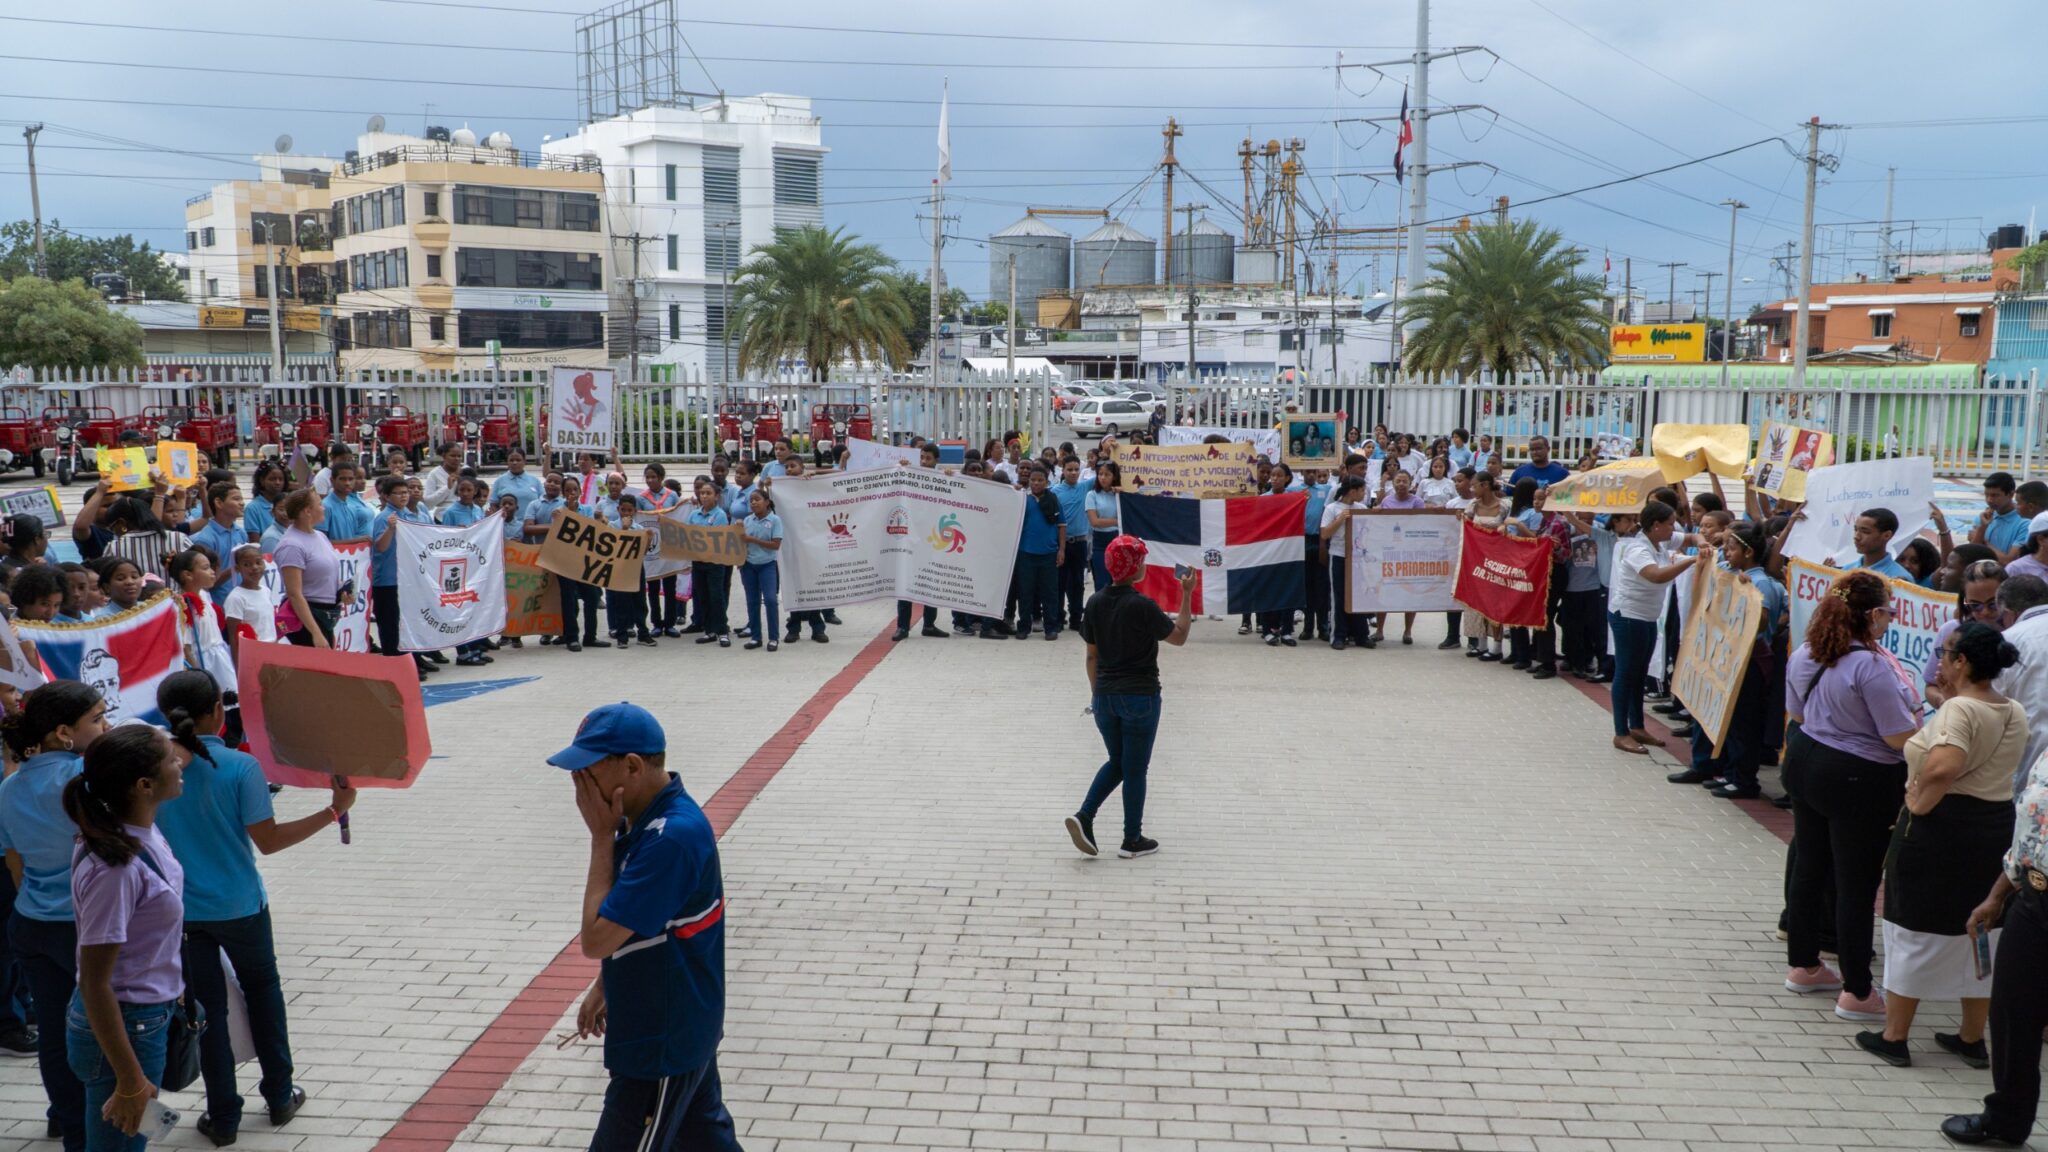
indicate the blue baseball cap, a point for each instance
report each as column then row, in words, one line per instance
column 613, row 730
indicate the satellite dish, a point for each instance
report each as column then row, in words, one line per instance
column 376, row 124
column 282, row 144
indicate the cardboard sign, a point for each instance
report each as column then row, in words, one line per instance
column 1504, row 578
column 1785, row 453
column 126, row 469
column 533, row 605
column 593, row 552
column 1312, row 441
column 1200, row 471
column 1402, row 560
column 580, row 408
column 1918, row 614
column 1688, row 449
column 1611, row 489
column 700, row 543
column 1838, row 494
column 179, row 463
column 314, row 713
column 1713, row 652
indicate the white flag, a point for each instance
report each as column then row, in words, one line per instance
column 945, row 139
column 451, row 583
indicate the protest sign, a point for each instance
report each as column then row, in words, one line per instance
column 20, row 664
column 352, row 629
column 1837, row 494
column 1611, row 489
column 451, row 583
column 179, row 462
column 125, row 655
column 594, row 552
column 1720, row 629
column 1504, row 578
column 1614, row 446
column 897, row 533
column 1201, row 471
column 42, row 503
column 1785, row 454
column 674, row 544
column 1264, row 441
column 533, row 606
column 580, row 407
column 311, row 714
column 862, row 455
column 1917, row 613
column 1402, row 561
column 1687, row 449
column 1312, row 441
column 126, row 469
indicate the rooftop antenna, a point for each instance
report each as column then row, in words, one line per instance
column 282, row 144
column 375, row 124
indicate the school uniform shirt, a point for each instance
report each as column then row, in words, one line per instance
column 1552, row 473
column 1437, row 493
column 347, row 518
column 1629, row 594
column 715, row 518
column 463, row 515
column 34, row 827
column 515, row 528
column 1103, row 503
column 139, row 907
column 665, row 987
column 1312, row 513
column 658, row 499
column 271, row 536
column 767, row 527
column 542, row 511
column 1891, row 569
column 323, row 482
column 526, row 486
column 2007, row 530
column 1334, row 512
column 1461, row 458
column 221, row 540
column 774, row 468
column 384, row 561
column 256, row 516
column 1040, row 536
column 207, row 828
column 1073, row 500
column 618, row 513
column 254, row 607
column 737, row 500
column 1774, row 603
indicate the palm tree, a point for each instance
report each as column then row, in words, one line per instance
column 1507, row 297
column 821, row 296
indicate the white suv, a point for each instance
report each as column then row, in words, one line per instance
column 1109, row 414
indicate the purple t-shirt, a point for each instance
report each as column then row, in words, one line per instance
column 142, row 912
column 313, row 555
column 1396, row 501
column 2027, row 565
column 1852, row 706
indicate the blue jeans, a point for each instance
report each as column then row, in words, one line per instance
column 149, row 1029
column 1634, row 641
column 1128, row 725
column 1098, row 560
column 762, row 582
column 48, row 953
column 250, row 949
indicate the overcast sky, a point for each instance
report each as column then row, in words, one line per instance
column 1586, row 91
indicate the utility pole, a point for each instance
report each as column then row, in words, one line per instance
column 1333, row 321
column 1728, row 287
column 1168, row 164
column 274, row 291
column 35, row 197
column 1707, row 299
column 1191, row 209
column 1628, row 289
column 1418, row 169
column 1671, row 291
column 633, row 308
column 1884, row 234
column 725, row 314
column 1815, row 160
column 938, row 241
column 1010, row 328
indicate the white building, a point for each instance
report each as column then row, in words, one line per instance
column 690, row 191
column 1253, row 333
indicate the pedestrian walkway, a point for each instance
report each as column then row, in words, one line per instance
column 1403, row 900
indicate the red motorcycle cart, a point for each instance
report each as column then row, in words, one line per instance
column 286, row 426
column 195, row 424
column 24, row 439
column 484, row 430
column 754, row 424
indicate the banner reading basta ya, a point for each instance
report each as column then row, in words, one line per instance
column 451, row 583
column 897, row 533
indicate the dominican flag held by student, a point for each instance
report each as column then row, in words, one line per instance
column 1402, row 141
column 1246, row 550
column 124, row 656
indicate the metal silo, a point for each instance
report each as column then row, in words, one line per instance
column 1043, row 253
column 1115, row 253
column 1212, row 249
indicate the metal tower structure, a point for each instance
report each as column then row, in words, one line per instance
column 628, row 57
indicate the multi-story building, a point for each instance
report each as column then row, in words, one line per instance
column 1249, row 332
column 1945, row 317
column 690, row 192
column 237, row 231
column 455, row 253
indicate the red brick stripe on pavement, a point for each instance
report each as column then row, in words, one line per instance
column 467, row 1087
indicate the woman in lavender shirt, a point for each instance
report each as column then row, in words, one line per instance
column 129, row 895
column 1852, row 707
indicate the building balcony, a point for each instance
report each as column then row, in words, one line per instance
column 432, row 233
column 435, row 297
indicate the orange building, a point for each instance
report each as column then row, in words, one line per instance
column 1913, row 319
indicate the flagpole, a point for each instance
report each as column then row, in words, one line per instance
column 945, row 173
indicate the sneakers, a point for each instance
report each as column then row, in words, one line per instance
column 1974, row 1054
column 1892, row 1052
column 1864, row 1010
column 1272, row 639
column 1142, row 846
column 1819, row 978
column 1082, row 829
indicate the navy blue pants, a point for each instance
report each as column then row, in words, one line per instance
column 578, row 600
column 1634, row 640
column 1037, row 592
column 47, row 951
column 253, row 952
column 1128, row 724
column 685, row 1111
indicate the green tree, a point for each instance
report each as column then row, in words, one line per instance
column 67, row 325
column 69, row 256
column 915, row 289
column 1507, row 297
column 821, row 296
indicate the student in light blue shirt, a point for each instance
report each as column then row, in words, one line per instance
column 1100, row 511
column 516, row 480
column 1461, row 449
column 1873, row 539
column 222, row 534
column 1072, row 492
column 711, row 583
column 271, row 483
column 347, row 518
column 735, row 499
column 759, row 576
column 625, row 612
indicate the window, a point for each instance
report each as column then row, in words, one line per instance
column 722, row 250
column 669, row 173
column 544, row 329
column 722, row 176
column 672, row 247
column 1226, row 315
column 796, row 180
column 1269, row 315
column 525, row 208
column 263, row 282
column 206, row 237
column 433, row 266
column 270, row 228
column 430, row 203
column 714, row 321
column 355, row 214
column 212, row 289
column 1255, row 338
column 437, row 329
column 374, row 213
column 1969, row 322
column 508, row 268
column 1880, row 324
column 191, row 240
column 675, row 311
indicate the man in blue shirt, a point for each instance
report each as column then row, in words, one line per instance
column 1072, row 492
column 654, row 914
column 1540, row 468
column 347, row 518
column 222, row 534
column 516, row 480
column 2000, row 527
column 1040, row 554
column 1873, row 536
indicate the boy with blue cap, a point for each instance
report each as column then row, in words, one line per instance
column 653, row 913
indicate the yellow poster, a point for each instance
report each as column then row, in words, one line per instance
column 126, row 469
column 1785, row 453
column 1657, row 343
column 1684, row 450
column 221, row 317
column 1713, row 654
column 1611, row 489
column 179, row 462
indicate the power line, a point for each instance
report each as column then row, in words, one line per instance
column 1647, row 67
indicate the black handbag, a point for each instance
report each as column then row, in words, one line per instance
column 188, row 1022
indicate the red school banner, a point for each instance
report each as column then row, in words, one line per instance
column 1504, row 578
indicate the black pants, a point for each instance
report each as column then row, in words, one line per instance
column 662, row 609
column 711, row 586
column 1037, row 592
column 2019, row 1010
column 1843, row 807
column 325, row 616
column 47, row 951
column 1351, row 627
column 931, row 616
column 579, row 600
column 796, row 620
column 1315, row 582
column 253, row 952
column 685, row 1112
column 1072, row 583
column 1583, row 620
column 625, row 613
column 384, row 612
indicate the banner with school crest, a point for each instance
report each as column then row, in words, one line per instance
column 451, row 583
column 125, row 656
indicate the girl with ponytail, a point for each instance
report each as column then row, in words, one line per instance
column 56, row 722
column 223, row 819
column 128, row 891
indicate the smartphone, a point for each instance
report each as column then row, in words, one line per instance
column 158, row 1121
column 1983, row 954
column 1180, row 571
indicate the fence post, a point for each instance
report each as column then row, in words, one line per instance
column 2032, row 423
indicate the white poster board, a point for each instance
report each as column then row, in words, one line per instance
column 1403, row 561
column 863, row 455
column 899, row 534
column 580, row 410
column 1839, row 493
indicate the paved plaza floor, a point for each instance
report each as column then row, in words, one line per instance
column 1404, row 900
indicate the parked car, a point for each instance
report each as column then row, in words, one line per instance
column 1108, row 414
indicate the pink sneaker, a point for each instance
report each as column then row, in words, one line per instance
column 1869, row 1009
column 1819, row 978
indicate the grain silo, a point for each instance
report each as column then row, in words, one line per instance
column 1212, row 250
column 1115, row 253
column 1043, row 254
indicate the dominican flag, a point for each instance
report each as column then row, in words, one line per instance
column 124, row 656
column 1246, row 551
column 1402, row 141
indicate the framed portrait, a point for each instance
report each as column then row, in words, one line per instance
column 1309, row 440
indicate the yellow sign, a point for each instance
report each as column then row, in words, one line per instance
column 1686, row 449
column 221, row 317
column 1622, row 487
column 1713, row 654
column 301, row 320
column 178, row 461
column 126, row 469
column 1784, row 455
column 1663, row 343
